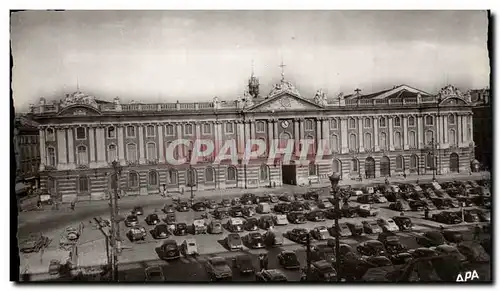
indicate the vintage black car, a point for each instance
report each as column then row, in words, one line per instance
column 234, row 242
column 323, row 252
column 470, row 216
column 131, row 220
column 282, row 208
column 199, row 206
column 316, row 215
column 422, row 253
column 218, row 269
column 247, row 199
column 440, row 203
column 343, row 230
column 170, row 218
column 221, row 213
column 136, row 233
column 432, row 238
column 447, row 217
column 259, row 199
column 404, row 223
column 400, row 258
column 287, row 198
column 288, row 260
column 255, row 240
column 251, row 224
column 311, row 195
column 266, row 222
column 297, row 206
column 356, row 228
column 211, row 204
column 319, row 232
column 170, row 250
column 160, row 231
column 321, row 271
column 400, row 205
column 298, row 235
column 371, row 248
column 452, row 236
column 377, row 261
column 225, row 202
column 181, row 229
column 330, row 213
column 183, row 206
column 296, row 217
column 391, row 243
column 365, row 199
column 152, row 219
column 272, row 275
column 417, row 205
column 273, row 198
column 137, row 210
column 244, row 264
column 236, row 211
column 169, row 208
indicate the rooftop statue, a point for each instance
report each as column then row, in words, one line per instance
column 79, row 98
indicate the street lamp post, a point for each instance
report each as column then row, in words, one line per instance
column 115, row 232
column 434, row 159
column 334, row 180
column 191, row 182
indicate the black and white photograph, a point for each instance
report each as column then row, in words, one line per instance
column 251, row 146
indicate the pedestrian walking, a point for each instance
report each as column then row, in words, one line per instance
column 387, row 180
column 426, row 213
column 73, row 204
column 477, row 232
column 404, row 175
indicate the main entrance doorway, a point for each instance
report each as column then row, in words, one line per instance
column 289, row 174
column 370, row 168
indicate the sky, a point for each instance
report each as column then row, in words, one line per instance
column 165, row 56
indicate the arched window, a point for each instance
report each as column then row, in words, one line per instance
column 412, row 139
column 429, row 137
column 171, row 177
column 413, row 162
column 399, row 163
column 209, row 175
column 313, row 169
column 130, row 131
column 260, row 126
column 192, row 178
column 429, row 161
column 232, row 173
column 133, row 180
column 50, row 134
column 429, row 120
column 354, row 165
column 82, row 155
column 368, row 122
column 397, row 140
column 333, row 123
column 131, row 152
column 382, row 122
column 309, row 124
column 352, row 142
column 51, row 156
column 51, row 185
column 264, row 172
column 112, row 153
column 352, row 123
column 151, row 151
column 153, row 178
column 284, row 137
column 411, row 121
column 383, row 140
column 452, row 137
column 169, row 129
column 188, row 129
column 335, row 143
column 83, row 184
column 111, row 132
column 397, row 121
column 150, row 131
column 451, row 119
column 368, row 140
column 336, row 166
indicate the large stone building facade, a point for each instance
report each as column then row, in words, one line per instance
column 387, row 133
column 26, row 152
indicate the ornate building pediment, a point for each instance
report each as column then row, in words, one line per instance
column 79, row 98
column 451, row 95
column 285, row 102
column 79, row 110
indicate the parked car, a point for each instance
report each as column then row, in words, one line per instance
column 169, row 250
column 440, row 203
column 234, row 242
column 251, row 224
column 152, row 219
column 287, row 198
column 297, row 206
column 452, row 202
column 272, row 238
column 377, row 261
column 447, row 217
column 280, row 219
column 391, row 243
column 298, row 198
column 183, row 206
column 371, row 248
column 483, row 215
column 343, row 230
column 244, row 264
column 365, row 199
column 218, row 269
column 255, row 240
column 248, row 211
column 169, row 208
column 296, row 217
column 469, row 216
column 310, row 206
column 221, row 213
column 422, row 253
column 170, row 218
column 311, row 195
column 379, row 198
column 131, row 220
column 136, row 233
column 247, row 199
column 432, row 238
column 298, row 235
column 154, row 274
column 137, row 210
column 288, row 260
column 321, row 271
column 226, row 203
column 365, row 210
column 474, row 252
column 236, row 211
column 181, row 229
column 400, row 258
column 371, row 227
column 429, row 204
column 448, row 250
column 417, row 205
column 282, row 208
column 266, row 222
column 272, row 275
column 387, row 224
column 264, row 208
column 236, row 201
column 273, row 198
column 356, row 228
column 189, row 247
column 261, row 199
column 400, row 205
column 330, row 213
column 211, row 204
column 404, row 223
column 235, row 225
column 199, row 206
column 325, row 204
column 160, row 231
column 452, row 236
column 319, row 232
column 316, row 216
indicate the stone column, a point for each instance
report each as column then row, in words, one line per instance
column 391, row 134
column 275, row 124
column 71, row 149
column 301, row 128
column 121, row 144
column 43, row 153
column 101, row 147
column 459, row 140
column 252, row 129
column 360, row 135
column 296, row 134
column 445, row 130
column 326, row 135
column 420, row 133
column 270, row 135
column 465, row 128
column 375, row 134
column 180, row 148
column 92, row 161
column 161, row 143
column 247, row 133
column 240, row 132
column 61, row 149
column 142, row 157
column 217, row 138
column 471, row 128
column 344, row 142
column 318, row 133
column 405, row 133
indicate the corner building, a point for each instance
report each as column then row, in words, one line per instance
column 387, row 133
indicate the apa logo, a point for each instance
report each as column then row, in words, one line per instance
column 468, row 276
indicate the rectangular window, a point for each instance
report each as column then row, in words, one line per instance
column 207, row 128
column 131, row 153
column 169, row 129
column 150, row 131
column 309, row 124
column 81, row 133
column 229, row 127
column 352, row 123
column 333, row 124
column 130, row 131
column 411, row 121
column 260, row 127
column 188, row 129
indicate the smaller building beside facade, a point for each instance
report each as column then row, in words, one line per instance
column 483, row 126
column 26, row 144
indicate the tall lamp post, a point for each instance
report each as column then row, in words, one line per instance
column 191, row 182
column 434, row 159
column 334, row 179
column 115, row 231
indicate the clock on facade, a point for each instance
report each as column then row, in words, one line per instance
column 285, row 124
